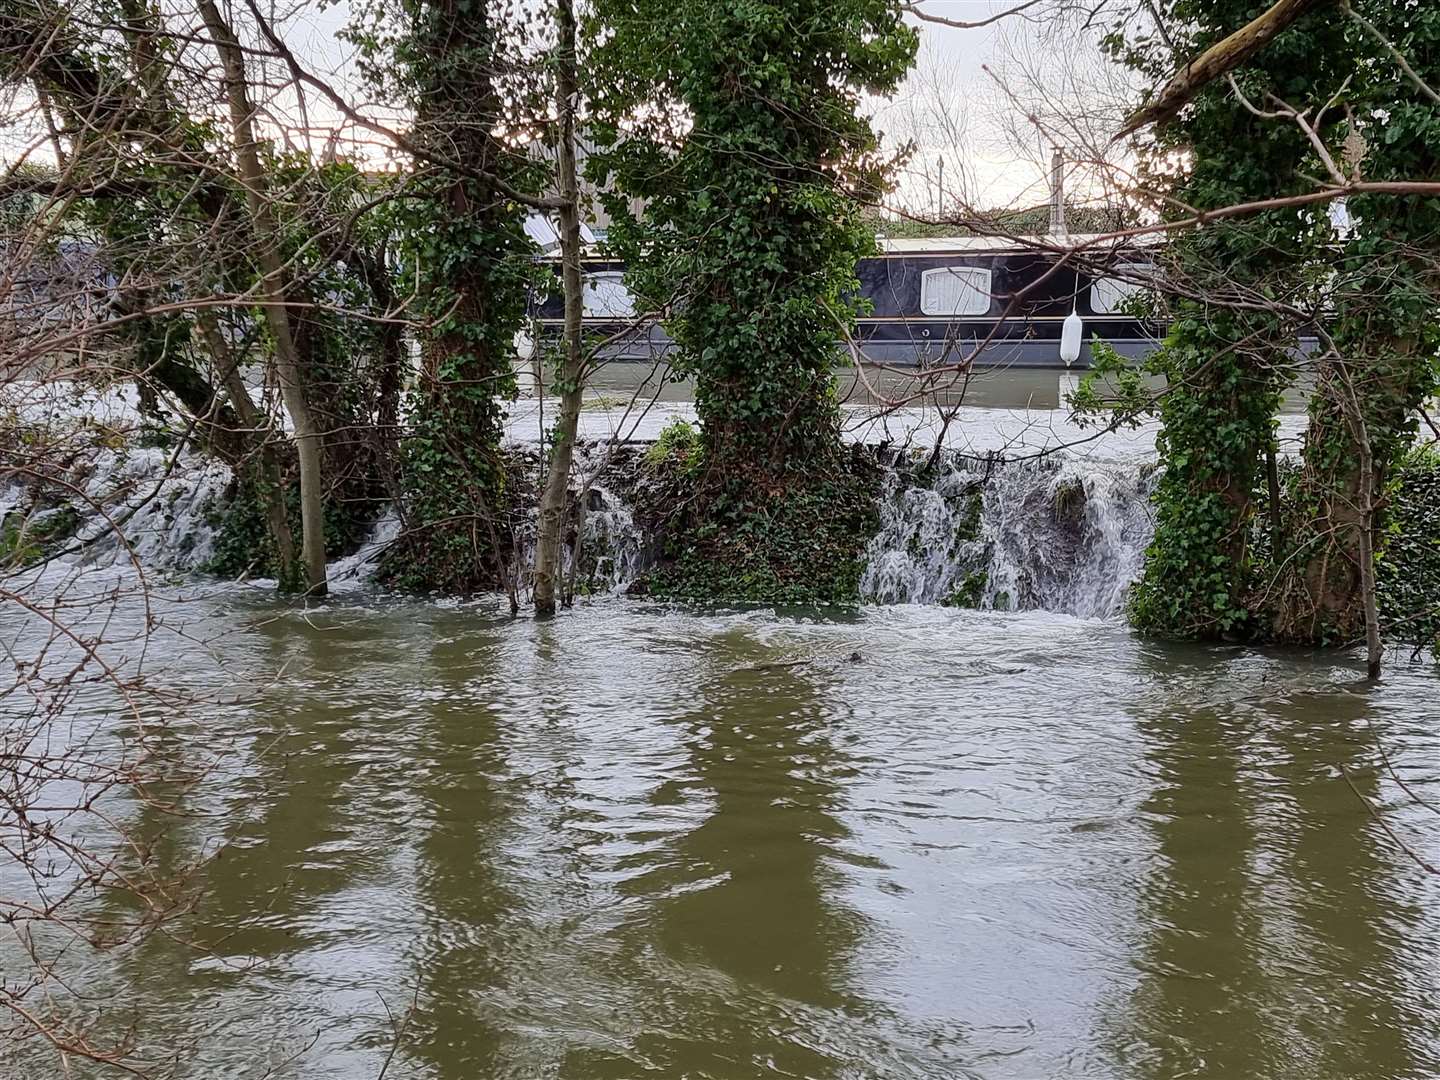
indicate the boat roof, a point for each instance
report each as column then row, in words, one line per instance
column 949, row 245
column 1092, row 244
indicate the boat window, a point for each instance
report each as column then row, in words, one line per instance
column 605, row 296
column 1109, row 294
column 955, row 290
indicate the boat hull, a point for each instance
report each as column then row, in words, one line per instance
column 1017, row 317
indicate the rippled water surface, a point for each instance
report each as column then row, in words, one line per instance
column 641, row 841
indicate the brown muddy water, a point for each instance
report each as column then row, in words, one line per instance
column 648, row 841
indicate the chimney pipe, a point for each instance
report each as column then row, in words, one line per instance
column 1057, row 194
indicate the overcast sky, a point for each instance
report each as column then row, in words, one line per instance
column 951, row 107
column 981, row 163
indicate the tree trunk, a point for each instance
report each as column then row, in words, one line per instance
column 273, row 289
column 156, row 368
column 385, row 428
column 257, row 433
column 1374, row 647
column 1356, row 432
column 571, row 380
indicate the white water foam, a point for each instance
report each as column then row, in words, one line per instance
column 1058, row 535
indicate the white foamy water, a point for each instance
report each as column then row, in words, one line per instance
column 1026, row 510
column 1057, row 535
column 1016, row 433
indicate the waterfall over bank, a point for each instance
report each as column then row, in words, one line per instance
column 611, row 547
column 1055, row 534
column 117, row 506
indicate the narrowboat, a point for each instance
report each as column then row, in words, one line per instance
column 935, row 302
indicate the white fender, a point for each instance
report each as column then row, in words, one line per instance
column 1070, row 338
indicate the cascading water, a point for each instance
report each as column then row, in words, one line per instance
column 161, row 504
column 614, row 540
column 360, row 565
column 1058, row 535
column 613, row 550
column 1065, row 536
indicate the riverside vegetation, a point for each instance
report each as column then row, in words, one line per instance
column 267, row 300
column 265, row 319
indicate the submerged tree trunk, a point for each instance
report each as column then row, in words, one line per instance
column 271, row 482
column 273, row 299
column 1358, row 419
column 571, row 381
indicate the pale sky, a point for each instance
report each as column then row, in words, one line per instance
column 977, row 86
column 954, row 110
column 983, row 165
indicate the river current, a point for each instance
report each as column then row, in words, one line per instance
column 646, row 840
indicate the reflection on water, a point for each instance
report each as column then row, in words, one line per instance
column 748, row 897
column 1199, row 949
column 916, row 843
column 471, row 920
column 1280, row 926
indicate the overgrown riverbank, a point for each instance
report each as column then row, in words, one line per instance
column 1057, row 533
column 797, row 542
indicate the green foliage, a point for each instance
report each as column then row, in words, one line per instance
column 1224, row 366
column 752, row 216
column 1408, row 559
column 1005, row 221
column 740, row 126
column 798, row 544
column 969, row 592
column 1379, row 278
column 18, row 549
column 25, row 541
column 678, row 448
column 1266, row 280
column 1408, row 568
column 1112, row 393
column 1218, row 422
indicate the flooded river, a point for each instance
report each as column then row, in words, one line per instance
column 646, row 841
column 642, row 840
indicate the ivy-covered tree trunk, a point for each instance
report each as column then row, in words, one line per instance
column 1350, row 94
column 1384, row 331
column 1362, row 403
column 472, row 261
column 751, row 230
column 554, row 500
column 1230, row 351
column 1362, row 420
column 1217, row 425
